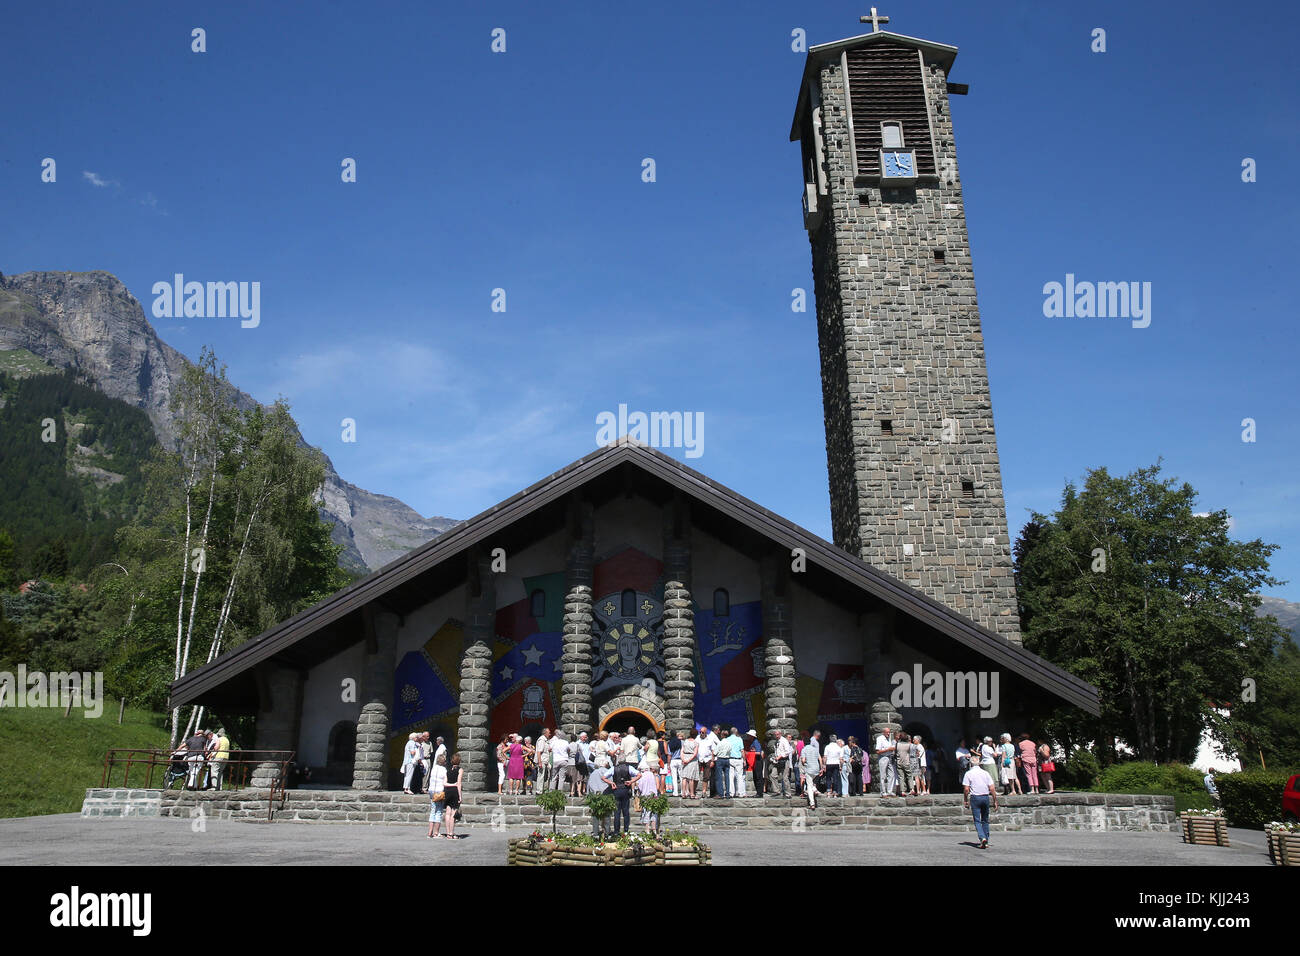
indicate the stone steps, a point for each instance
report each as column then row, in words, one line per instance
column 1077, row 811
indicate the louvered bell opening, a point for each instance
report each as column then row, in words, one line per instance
column 968, row 489
column 886, row 85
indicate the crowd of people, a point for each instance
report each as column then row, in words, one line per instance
column 721, row 763
column 427, row 768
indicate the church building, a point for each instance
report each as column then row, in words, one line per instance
column 629, row 590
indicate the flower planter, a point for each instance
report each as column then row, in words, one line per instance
column 1283, row 847
column 1204, row 830
column 522, row 853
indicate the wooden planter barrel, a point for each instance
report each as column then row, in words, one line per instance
column 1204, row 830
column 1284, row 848
column 520, row 853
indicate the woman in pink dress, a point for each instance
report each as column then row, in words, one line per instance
column 1029, row 760
column 515, row 769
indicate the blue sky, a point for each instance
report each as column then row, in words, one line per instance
column 522, row 170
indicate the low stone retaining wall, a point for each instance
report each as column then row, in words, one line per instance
column 122, row 803
column 1067, row 811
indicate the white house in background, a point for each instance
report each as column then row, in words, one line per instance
column 1210, row 757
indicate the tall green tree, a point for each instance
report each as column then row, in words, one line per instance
column 1128, row 587
column 1261, row 725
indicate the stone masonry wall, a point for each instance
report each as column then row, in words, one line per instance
column 1069, row 811
column 900, row 340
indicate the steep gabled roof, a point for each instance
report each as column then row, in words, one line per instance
column 940, row 53
column 452, row 546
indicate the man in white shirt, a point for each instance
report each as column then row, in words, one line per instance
column 630, row 746
column 543, row 760
column 885, row 761
column 977, row 788
column 834, row 750
column 708, row 750
column 721, row 763
column 782, row 751
column 559, row 762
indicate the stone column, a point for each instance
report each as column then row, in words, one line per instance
column 279, row 716
column 575, row 696
column 575, row 714
column 780, row 699
column 877, row 666
column 370, row 768
column 476, row 674
column 679, row 658
column 677, row 540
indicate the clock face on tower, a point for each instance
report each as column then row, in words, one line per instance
column 897, row 165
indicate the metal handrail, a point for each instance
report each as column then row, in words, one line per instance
column 237, row 767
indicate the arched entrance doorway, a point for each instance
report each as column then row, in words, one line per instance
column 621, row 720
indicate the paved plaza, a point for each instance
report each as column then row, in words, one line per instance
column 67, row 839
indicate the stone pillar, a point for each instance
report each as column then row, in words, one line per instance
column 370, row 768
column 279, row 716
column 779, row 690
column 476, row 674
column 575, row 695
column 677, row 540
column 877, row 666
column 679, row 658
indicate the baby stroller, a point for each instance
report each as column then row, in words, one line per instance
column 176, row 770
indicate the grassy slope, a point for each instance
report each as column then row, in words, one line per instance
column 47, row 761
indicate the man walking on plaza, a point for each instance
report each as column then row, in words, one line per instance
column 977, row 789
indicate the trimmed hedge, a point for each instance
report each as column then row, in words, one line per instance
column 1138, row 776
column 1252, row 798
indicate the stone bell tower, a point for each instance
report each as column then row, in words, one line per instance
column 915, row 485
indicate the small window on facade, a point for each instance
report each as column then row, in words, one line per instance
column 537, row 604
column 629, row 603
column 721, row 603
column 886, row 426
column 939, row 255
column 891, row 135
column 968, row 489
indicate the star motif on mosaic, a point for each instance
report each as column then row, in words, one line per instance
column 507, row 673
column 559, row 665
column 532, row 655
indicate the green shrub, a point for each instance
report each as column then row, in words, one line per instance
column 600, row 805
column 552, row 801
column 1139, row 776
column 656, row 805
column 1252, row 798
column 1076, row 772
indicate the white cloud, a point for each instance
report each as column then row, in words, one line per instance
column 97, row 180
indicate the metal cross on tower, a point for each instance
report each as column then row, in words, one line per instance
column 875, row 20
